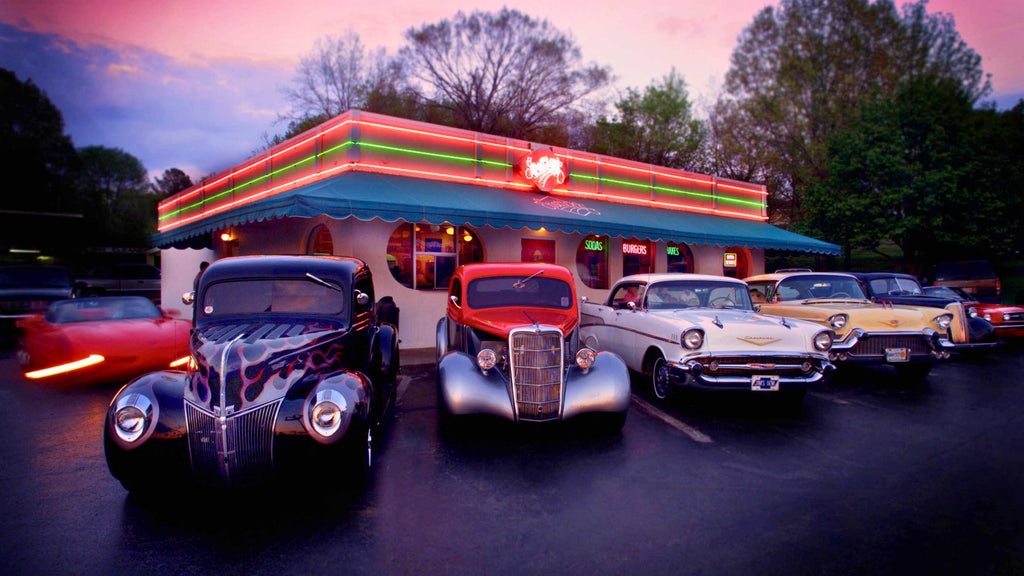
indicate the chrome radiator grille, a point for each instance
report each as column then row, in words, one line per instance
column 958, row 328
column 240, row 454
column 875, row 344
column 788, row 366
column 537, row 369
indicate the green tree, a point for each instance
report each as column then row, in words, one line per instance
column 501, row 73
column 656, row 126
column 173, row 181
column 122, row 206
column 37, row 158
column 801, row 72
column 920, row 170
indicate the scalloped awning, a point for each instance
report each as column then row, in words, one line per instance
column 367, row 196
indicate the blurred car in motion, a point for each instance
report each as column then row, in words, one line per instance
column 1007, row 319
column 102, row 339
column 28, row 289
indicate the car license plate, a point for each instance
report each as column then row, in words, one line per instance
column 897, row 354
column 764, row 383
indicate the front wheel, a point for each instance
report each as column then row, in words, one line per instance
column 660, row 383
column 360, row 457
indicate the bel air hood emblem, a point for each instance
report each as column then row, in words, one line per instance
column 894, row 322
column 758, row 340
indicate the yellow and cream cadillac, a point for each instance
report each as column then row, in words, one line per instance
column 698, row 331
column 909, row 338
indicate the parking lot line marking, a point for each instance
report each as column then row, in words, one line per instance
column 693, row 433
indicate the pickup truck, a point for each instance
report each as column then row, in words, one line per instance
column 125, row 279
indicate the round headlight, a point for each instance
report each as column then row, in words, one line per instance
column 1006, row 317
column 486, row 359
column 692, row 339
column 944, row 320
column 585, row 358
column 325, row 417
column 823, row 341
column 988, row 317
column 972, row 312
column 129, row 423
column 838, row 321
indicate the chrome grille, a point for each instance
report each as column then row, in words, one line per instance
column 958, row 328
column 241, row 454
column 753, row 365
column 875, row 344
column 537, row 369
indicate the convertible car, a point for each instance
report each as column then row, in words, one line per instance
column 509, row 347
column 1007, row 319
column 103, row 339
column 290, row 374
column 697, row 331
column 909, row 338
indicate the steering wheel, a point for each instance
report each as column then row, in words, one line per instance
column 841, row 295
column 722, row 302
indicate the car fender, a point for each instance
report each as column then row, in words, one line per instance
column 387, row 344
column 466, row 390
column 602, row 388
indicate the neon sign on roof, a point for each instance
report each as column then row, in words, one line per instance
column 362, row 141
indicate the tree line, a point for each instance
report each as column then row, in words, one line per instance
column 866, row 121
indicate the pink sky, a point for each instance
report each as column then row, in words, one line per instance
column 642, row 40
column 196, row 85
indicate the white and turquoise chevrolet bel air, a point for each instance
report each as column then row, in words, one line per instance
column 698, row 331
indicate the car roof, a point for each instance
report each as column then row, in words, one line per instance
column 874, row 275
column 281, row 266
column 776, row 277
column 491, row 269
column 669, row 276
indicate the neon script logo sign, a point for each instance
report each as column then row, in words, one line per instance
column 543, row 169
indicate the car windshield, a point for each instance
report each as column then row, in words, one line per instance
column 101, row 309
column 819, row 286
column 698, row 294
column 532, row 291
column 35, row 276
column 947, row 292
column 288, row 296
column 895, row 285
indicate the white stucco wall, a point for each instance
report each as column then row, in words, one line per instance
column 420, row 309
column 178, row 269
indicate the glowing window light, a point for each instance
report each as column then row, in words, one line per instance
column 63, row 368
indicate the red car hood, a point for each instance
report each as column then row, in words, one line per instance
column 501, row 321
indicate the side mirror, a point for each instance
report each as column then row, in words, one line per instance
column 188, row 298
column 757, row 307
column 631, row 306
column 362, row 298
column 584, row 300
column 454, row 300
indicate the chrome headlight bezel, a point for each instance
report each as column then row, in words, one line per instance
column 692, row 339
column 943, row 321
column 132, row 419
column 326, row 415
column 486, row 359
column 838, row 321
column 822, row 341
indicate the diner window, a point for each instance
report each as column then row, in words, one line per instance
column 680, row 259
column 320, row 241
column 636, row 257
column 592, row 262
column 424, row 256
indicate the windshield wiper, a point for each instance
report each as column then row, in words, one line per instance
column 520, row 283
column 323, row 282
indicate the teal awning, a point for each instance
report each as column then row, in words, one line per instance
column 367, row 196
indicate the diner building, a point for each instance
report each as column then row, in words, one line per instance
column 417, row 200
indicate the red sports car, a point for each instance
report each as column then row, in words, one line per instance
column 102, row 339
column 1007, row 319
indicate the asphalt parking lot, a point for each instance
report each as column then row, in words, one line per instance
column 871, row 476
